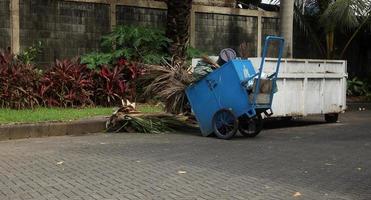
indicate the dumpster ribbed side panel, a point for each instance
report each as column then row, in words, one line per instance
column 307, row 87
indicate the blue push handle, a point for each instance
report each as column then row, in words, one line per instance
column 265, row 49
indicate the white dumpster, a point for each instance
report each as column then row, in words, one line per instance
column 306, row 86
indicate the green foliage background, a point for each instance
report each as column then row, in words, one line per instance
column 141, row 44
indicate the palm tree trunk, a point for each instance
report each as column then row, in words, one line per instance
column 177, row 28
column 330, row 44
column 287, row 25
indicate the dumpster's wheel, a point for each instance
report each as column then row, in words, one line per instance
column 225, row 124
column 250, row 126
column 331, row 118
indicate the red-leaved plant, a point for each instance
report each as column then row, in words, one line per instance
column 131, row 71
column 67, row 83
column 116, row 83
column 18, row 88
column 110, row 86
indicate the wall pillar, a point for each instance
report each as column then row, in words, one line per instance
column 287, row 25
column 193, row 27
column 260, row 32
column 113, row 21
column 14, row 26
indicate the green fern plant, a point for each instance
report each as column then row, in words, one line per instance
column 356, row 87
column 146, row 45
column 92, row 60
column 29, row 55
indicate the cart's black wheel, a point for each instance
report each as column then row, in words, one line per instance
column 225, row 124
column 331, row 118
column 250, row 126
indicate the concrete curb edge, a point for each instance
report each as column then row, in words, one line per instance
column 46, row 129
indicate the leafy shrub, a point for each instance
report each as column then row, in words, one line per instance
column 29, row 55
column 357, row 87
column 146, row 45
column 18, row 88
column 93, row 60
column 194, row 53
column 138, row 43
column 67, row 83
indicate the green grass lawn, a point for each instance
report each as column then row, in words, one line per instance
column 61, row 114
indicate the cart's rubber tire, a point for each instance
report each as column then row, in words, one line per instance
column 250, row 127
column 331, row 118
column 225, row 124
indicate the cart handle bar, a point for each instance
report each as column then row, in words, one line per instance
column 268, row 39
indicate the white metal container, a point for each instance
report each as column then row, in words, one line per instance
column 307, row 87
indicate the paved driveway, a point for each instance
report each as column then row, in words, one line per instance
column 303, row 159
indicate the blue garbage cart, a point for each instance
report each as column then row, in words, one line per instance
column 233, row 97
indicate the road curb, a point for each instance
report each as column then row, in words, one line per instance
column 46, row 129
column 354, row 106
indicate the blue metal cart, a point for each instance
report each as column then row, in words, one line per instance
column 234, row 97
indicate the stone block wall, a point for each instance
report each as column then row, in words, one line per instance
column 66, row 29
column 270, row 26
column 4, row 24
column 149, row 17
column 217, row 31
column 75, row 27
column 226, row 3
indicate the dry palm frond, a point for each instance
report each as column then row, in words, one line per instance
column 146, row 123
column 142, row 125
column 115, row 120
column 168, row 83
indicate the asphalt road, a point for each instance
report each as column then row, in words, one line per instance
column 300, row 159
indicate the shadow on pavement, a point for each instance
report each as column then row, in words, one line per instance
column 287, row 123
column 271, row 123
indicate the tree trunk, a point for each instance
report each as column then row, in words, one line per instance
column 287, row 23
column 177, row 28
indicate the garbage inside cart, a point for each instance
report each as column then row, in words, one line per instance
column 234, row 97
column 206, row 65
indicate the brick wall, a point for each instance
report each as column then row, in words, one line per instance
column 66, row 29
column 216, row 31
column 150, row 17
column 4, row 24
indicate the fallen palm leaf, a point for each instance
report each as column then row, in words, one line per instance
column 127, row 119
column 146, row 123
column 168, row 83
